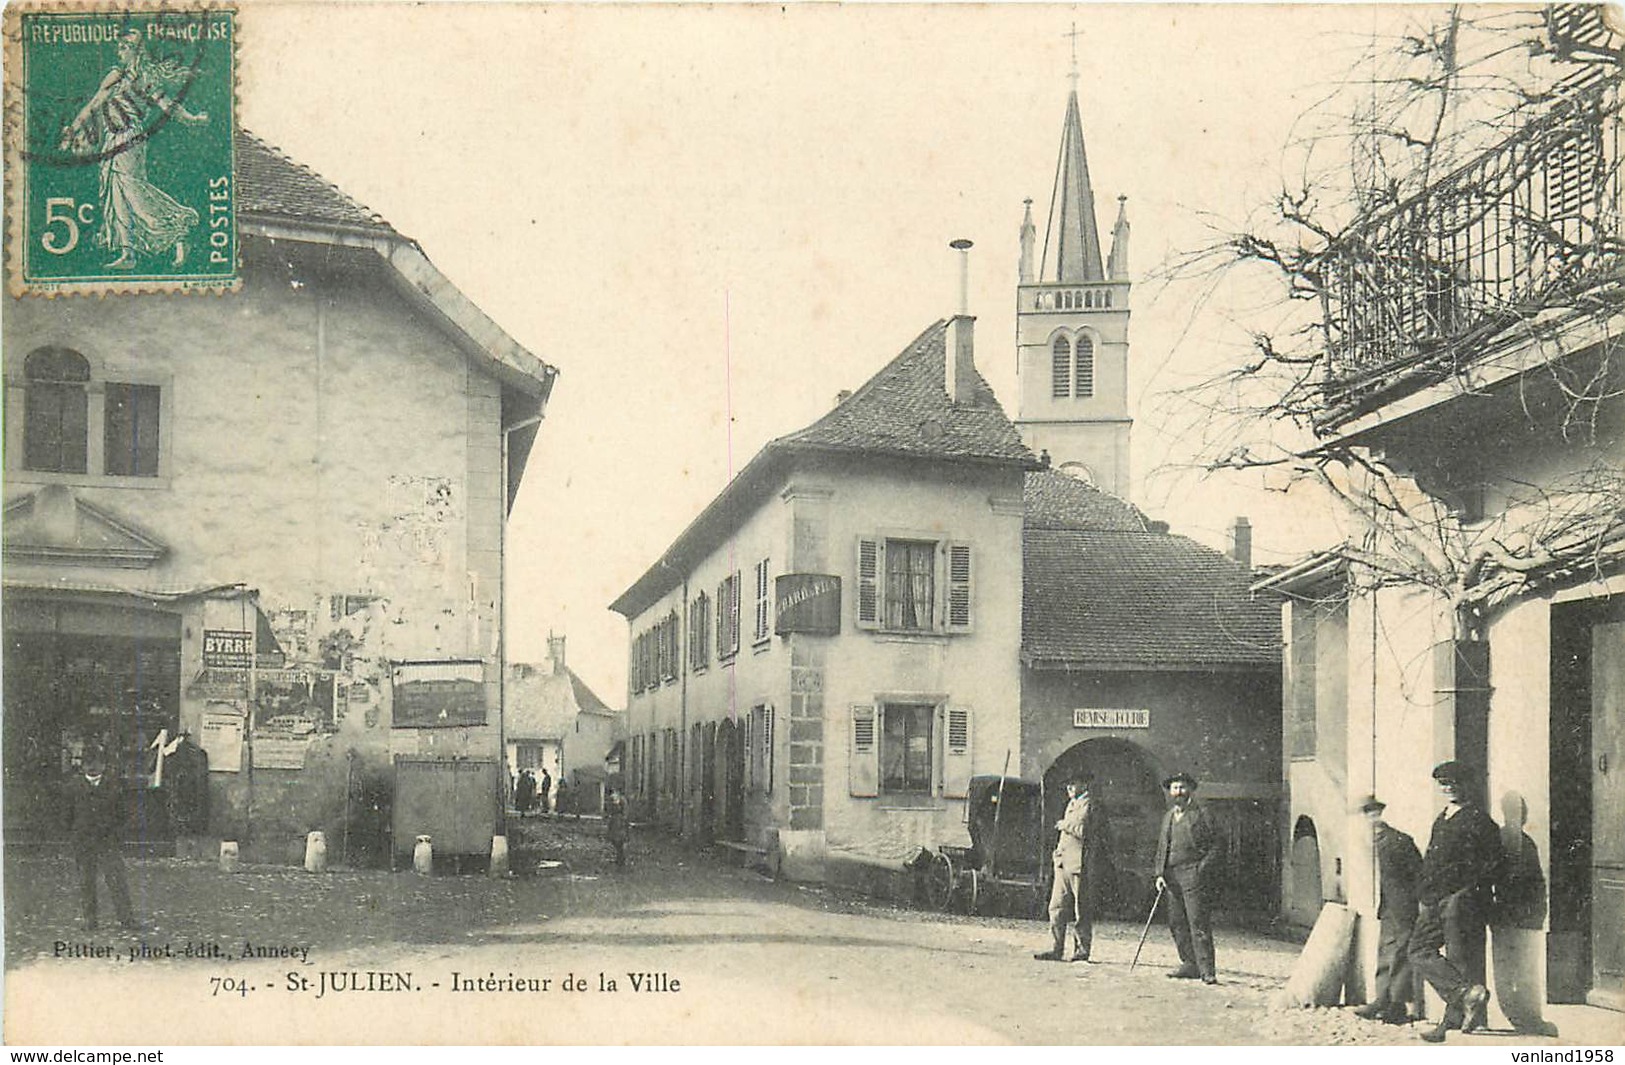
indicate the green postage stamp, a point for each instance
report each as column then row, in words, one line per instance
column 119, row 135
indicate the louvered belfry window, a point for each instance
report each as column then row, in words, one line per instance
column 1061, row 368
column 1084, row 368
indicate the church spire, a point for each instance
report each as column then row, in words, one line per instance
column 1072, row 241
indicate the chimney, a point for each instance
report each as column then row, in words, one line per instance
column 842, row 396
column 1241, row 542
column 555, row 651
column 959, row 358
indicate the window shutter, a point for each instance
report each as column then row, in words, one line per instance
column 733, row 614
column 722, row 621
column 956, row 753
column 863, row 765
column 749, row 724
column 959, row 588
column 767, row 747
column 868, row 597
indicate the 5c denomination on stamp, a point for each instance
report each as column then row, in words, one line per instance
column 119, row 137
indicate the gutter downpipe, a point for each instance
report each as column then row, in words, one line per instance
column 502, row 627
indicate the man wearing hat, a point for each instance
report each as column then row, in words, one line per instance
column 1078, row 850
column 1399, row 864
column 1453, row 897
column 1187, row 848
column 95, row 811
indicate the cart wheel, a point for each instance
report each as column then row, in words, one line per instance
column 940, row 883
column 976, row 891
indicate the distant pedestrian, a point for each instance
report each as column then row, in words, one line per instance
column 524, row 795
column 1078, row 852
column 1453, row 902
column 615, row 827
column 544, row 791
column 1399, row 866
column 96, row 832
column 1187, row 851
column 563, row 798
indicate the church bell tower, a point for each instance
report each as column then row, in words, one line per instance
column 1072, row 327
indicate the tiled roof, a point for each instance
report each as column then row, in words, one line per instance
column 1115, row 599
column 1055, row 500
column 269, row 183
column 904, row 410
column 542, row 705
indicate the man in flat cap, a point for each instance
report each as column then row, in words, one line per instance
column 1187, row 850
column 1453, row 901
column 1078, row 852
column 1399, row 864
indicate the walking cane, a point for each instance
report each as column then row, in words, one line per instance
column 1147, row 929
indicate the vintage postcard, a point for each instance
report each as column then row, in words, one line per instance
column 557, row 524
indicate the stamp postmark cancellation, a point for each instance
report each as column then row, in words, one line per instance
column 119, row 136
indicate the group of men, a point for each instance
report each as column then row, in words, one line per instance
column 1433, row 907
column 1187, row 848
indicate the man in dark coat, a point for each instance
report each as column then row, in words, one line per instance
column 1077, row 852
column 96, row 832
column 524, row 795
column 1399, row 865
column 1453, row 896
column 1187, row 852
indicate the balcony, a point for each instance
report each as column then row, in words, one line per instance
column 1532, row 225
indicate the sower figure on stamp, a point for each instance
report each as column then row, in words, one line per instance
column 1458, row 878
column 1399, row 865
column 137, row 217
column 1187, row 852
column 96, row 831
column 1077, row 852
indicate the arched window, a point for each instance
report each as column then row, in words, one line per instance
column 1084, row 366
column 1061, row 368
column 56, row 417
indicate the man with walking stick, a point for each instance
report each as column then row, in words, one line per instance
column 1187, row 848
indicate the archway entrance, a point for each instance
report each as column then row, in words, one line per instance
column 1127, row 785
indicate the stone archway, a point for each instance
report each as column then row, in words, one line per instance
column 1127, row 783
column 1304, row 891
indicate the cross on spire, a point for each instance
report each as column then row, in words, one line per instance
column 1073, row 73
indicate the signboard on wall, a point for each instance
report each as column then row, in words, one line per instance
column 228, row 649
column 273, row 753
column 439, row 694
column 293, row 702
column 1111, row 719
column 221, row 737
column 807, row 603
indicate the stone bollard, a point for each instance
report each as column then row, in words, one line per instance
column 499, row 855
column 228, row 856
column 316, row 853
column 423, row 856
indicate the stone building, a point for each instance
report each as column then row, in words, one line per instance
column 554, row 721
column 1498, row 397
column 825, row 656
column 272, row 520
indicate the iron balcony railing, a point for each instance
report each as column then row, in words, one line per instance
column 1532, row 223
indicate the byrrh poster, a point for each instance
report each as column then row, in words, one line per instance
column 813, row 524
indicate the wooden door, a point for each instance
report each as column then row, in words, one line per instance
column 1608, row 814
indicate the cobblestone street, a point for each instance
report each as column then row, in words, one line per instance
column 718, row 954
